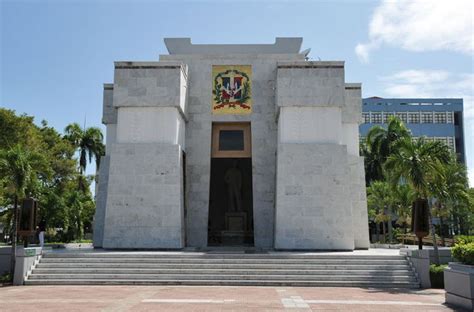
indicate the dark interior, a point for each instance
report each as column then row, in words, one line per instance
column 220, row 207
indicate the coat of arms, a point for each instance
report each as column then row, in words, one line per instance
column 231, row 92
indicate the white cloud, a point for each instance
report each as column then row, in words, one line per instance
column 443, row 84
column 432, row 83
column 421, row 25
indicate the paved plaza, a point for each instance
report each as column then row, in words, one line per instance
column 181, row 298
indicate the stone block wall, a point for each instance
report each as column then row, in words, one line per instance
column 198, row 139
column 150, row 84
column 144, row 199
column 312, row 209
column 358, row 199
column 310, row 84
column 101, row 201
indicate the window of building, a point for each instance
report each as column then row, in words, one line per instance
column 440, row 117
column 414, row 117
column 366, row 118
column 386, row 117
column 449, row 117
column 402, row 116
column 427, row 117
column 442, row 140
column 376, row 117
column 451, row 144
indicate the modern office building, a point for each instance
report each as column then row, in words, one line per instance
column 437, row 119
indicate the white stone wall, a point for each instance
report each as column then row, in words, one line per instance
column 149, row 84
column 150, row 125
column 312, row 211
column 310, row 125
column 312, row 196
column 144, row 198
column 310, row 84
column 350, row 137
column 320, row 199
column 198, row 139
column 110, row 136
column 101, row 201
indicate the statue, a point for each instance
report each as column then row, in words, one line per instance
column 233, row 179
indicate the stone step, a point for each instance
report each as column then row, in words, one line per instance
column 75, row 270
column 42, row 264
column 223, row 277
column 168, row 255
column 224, row 261
column 219, row 282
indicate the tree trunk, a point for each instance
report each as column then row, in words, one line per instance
column 441, row 231
column 433, row 234
column 404, row 233
column 390, row 232
column 383, row 232
column 377, row 231
column 14, row 235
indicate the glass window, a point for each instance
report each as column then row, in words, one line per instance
column 414, row 117
column 376, row 117
column 231, row 140
column 451, row 144
column 440, row 117
column 366, row 118
column 449, row 117
column 427, row 117
column 402, row 116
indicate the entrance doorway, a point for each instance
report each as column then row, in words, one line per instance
column 231, row 196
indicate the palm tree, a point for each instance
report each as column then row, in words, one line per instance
column 419, row 163
column 379, row 202
column 20, row 168
column 379, row 144
column 88, row 142
column 403, row 196
column 450, row 191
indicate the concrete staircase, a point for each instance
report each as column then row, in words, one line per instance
column 190, row 268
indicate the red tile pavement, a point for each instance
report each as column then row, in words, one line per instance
column 194, row 298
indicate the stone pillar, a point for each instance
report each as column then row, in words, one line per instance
column 109, row 119
column 313, row 205
column 145, row 200
column 351, row 118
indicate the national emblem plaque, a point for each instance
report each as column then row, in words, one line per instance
column 231, row 89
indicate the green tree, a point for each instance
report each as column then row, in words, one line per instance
column 380, row 143
column 20, row 169
column 403, row 196
column 419, row 163
column 88, row 142
column 379, row 202
column 450, row 191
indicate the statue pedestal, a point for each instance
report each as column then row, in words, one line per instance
column 236, row 221
column 235, row 225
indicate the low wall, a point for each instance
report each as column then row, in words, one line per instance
column 5, row 252
column 26, row 258
column 422, row 259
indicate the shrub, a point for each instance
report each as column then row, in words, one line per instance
column 464, row 253
column 437, row 268
column 463, row 239
column 5, row 278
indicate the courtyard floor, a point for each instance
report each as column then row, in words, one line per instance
column 194, row 298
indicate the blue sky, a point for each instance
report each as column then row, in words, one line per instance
column 55, row 55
